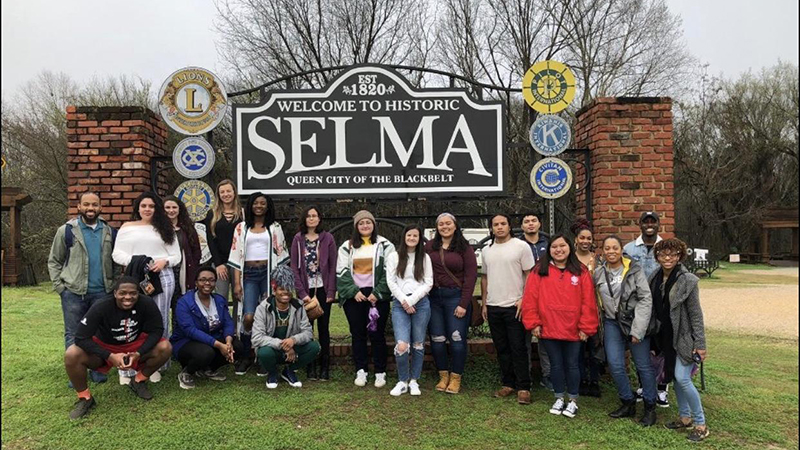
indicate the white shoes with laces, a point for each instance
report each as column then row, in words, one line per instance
column 399, row 389
column 380, row 380
column 361, row 378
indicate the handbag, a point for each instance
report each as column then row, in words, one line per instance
column 313, row 308
column 477, row 316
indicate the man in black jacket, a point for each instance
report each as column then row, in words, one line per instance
column 122, row 331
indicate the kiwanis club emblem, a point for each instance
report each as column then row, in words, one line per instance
column 198, row 198
column 192, row 101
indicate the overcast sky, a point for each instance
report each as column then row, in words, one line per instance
column 153, row 38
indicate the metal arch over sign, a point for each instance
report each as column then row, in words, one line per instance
column 369, row 132
column 192, row 101
column 550, row 135
column 551, row 178
column 193, row 157
column 548, row 86
column 198, row 198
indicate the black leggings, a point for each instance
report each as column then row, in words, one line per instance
column 195, row 356
column 323, row 321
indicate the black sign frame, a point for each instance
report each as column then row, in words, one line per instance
column 481, row 159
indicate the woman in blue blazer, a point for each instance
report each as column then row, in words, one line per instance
column 203, row 339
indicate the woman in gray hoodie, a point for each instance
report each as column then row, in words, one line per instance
column 681, row 338
column 622, row 291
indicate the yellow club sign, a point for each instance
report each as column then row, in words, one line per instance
column 548, row 87
column 192, row 101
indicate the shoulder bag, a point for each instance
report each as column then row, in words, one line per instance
column 477, row 316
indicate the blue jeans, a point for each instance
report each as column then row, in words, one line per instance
column 74, row 307
column 256, row 284
column 689, row 404
column 564, row 372
column 443, row 324
column 615, row 355
column 410, row 329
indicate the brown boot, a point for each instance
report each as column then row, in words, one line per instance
column 524, row 397
column 455, row 384
column 444, row 378
column 504, row 392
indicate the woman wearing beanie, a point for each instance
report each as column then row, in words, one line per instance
column 361, row 283
column 455, row 271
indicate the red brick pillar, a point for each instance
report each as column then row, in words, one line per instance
column 109, row 152
column 630, row 139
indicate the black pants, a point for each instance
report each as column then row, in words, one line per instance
column 509, row 337
column 195, row 356
column 358, row 317
column 323, row 322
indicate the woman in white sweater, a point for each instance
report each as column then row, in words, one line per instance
column 150, row 234
column 409, row 275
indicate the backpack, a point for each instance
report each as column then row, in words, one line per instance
column 69, row 239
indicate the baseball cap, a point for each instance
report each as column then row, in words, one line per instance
column 649, row 214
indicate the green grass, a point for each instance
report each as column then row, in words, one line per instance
column 751, row 402
column 730, row 275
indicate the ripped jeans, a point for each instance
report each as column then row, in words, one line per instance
column 410, row 329
column 444, row 327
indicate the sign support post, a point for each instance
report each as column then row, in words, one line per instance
column 551, row 216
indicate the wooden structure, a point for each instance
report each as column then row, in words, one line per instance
column 13, row 201
column 779, row 218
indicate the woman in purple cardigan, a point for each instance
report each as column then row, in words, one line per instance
column 313, row 260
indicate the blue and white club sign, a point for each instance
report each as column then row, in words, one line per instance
column 551, row 178
column 550, row 135
column 193, row 157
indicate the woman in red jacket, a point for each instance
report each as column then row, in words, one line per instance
column 559, row 306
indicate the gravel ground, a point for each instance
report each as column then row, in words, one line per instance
column 770, row 309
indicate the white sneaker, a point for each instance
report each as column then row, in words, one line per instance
column 155, row 377
column 123, row 380
column 662, row 400
column 571, row 410
column 558, row 407
column 380, row 380
column 399, row 389
column 413, row 387
column 639, row 397
column 361, row 378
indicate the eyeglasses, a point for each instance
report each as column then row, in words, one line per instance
column 668, row 255
column 206, row 280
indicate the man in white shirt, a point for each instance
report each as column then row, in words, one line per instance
column 507, row 262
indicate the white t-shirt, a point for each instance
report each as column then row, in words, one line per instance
column 504, row 264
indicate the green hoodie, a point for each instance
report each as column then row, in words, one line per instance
column 345, row 285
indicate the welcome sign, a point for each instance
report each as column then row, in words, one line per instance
column 369, row 132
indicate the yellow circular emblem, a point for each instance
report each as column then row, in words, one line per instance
column 198, row 198
column 192, row 101
column 548, row 86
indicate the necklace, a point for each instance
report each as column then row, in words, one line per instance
column 283, row 318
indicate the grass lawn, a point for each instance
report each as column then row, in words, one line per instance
column 751, row 402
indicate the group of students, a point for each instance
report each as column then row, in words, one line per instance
column 556, row 290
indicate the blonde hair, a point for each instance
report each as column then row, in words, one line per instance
column 219, row 208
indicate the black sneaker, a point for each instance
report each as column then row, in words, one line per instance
column 262, row 372
column 140, row 389
column 662, row 401
column 697, row 434
column 241, row 366
column 291, row 378
column 82, row 408
column 186, row 380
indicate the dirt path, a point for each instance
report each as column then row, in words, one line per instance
column 769, row 309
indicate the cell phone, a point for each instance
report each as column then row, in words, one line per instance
column 126, row 360
column 696, row 358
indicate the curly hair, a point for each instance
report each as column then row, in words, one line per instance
column 672, row 245
column 282, row 277
column 160, row 221
column 579, row 225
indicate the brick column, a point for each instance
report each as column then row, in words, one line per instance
column 109, row 152
column 630, row 139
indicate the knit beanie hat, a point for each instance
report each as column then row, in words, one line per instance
column 363, row 214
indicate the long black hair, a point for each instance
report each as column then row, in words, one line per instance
column 458, row 243
column 250, row 218
column 419, row 253
column 184, row 221
column 302, row 227
column 574, row 265
column 160, row 221
column 491, row 233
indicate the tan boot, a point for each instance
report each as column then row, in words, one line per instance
column 444, row 378
column 455, row 384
